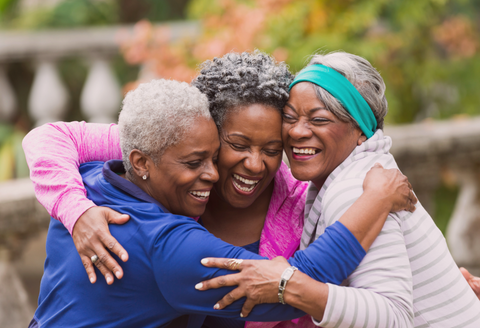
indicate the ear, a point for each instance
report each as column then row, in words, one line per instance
column 140, row 163
column 361, row 139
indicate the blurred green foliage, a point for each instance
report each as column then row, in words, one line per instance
column 75, row 13
column 12, row 158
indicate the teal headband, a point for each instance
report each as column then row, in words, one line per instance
column 339, row 87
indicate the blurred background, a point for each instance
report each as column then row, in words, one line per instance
column 75, row 59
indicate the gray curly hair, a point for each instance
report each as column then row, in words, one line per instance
column 156, row 115
column 242, row 79
column 363, row 76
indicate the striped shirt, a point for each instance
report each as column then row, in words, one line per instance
column 408, row 277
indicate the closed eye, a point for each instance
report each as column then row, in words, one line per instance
column 194, row 164
column 319, row 120
column 238, row 147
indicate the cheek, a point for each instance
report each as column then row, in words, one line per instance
column 273, row 164
column 228, row 159
column 285, row 129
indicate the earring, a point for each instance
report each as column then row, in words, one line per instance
column 144, row 177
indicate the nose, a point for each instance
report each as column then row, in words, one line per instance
column 300, row 130
column 254, row 163
column 210, row 174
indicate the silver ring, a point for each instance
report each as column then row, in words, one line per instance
column 94, row 259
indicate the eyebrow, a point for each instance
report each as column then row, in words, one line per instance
column 310, row 111
column 248, row 139
column 239, row 135
column 196, row 153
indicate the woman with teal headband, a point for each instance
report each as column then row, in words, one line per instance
column 332, row 134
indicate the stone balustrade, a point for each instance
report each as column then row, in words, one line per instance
column 49, row 98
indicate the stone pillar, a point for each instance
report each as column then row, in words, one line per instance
column 463, row 234
column 49, row 97
column 101, row 95
column 15, row 311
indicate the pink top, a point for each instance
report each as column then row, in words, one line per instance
column 55, row 151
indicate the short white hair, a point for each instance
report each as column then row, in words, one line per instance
column 364, row 77
column 156, row 115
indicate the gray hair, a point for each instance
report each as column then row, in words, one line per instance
column 156, row 115
column 241, row 79
column 364, row 77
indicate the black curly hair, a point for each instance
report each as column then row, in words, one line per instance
column 242, row 79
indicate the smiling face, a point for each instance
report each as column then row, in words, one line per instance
column 186, row 172
column 315, row 140
column 250, row 153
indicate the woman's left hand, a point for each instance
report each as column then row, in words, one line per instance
column 257, row 280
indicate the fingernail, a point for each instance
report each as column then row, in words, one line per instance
column 216, row 306
column 199, row 285
column 124, row 257
column 109, row 280
column 117, row 274
column 241, row 315
column 204, row 261
column 92, row 280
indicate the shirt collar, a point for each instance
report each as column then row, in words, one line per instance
column 111, row 171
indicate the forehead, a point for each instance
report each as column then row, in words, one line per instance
column 201, row 137
column 252, row 116
column 303, row 92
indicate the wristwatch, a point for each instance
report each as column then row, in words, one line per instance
column 286, row 275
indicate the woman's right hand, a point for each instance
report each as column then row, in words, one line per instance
column 92, row 237
column 392, row 186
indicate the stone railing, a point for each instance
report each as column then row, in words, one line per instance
column 48, row 98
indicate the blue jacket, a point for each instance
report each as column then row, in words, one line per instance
column 164, row 266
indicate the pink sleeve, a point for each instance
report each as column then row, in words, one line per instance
column 55, row 151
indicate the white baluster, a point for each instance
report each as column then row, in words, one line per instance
column 48, row 97
column 463, row 233
column 101, row 95
column 8, row 101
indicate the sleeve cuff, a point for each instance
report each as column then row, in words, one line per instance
column 328, row 309
column 73, row 214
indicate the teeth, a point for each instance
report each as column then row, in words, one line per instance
column 203, row 194
column 308, row 151
column 246, row 181
column 243, row 188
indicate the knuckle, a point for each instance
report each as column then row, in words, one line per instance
column 222, row 281
column 103, row 258
column 229, row 297
column 111, row 244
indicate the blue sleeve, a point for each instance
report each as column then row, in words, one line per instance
column 332, row 257
column 177, row 252
column 181, row 245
